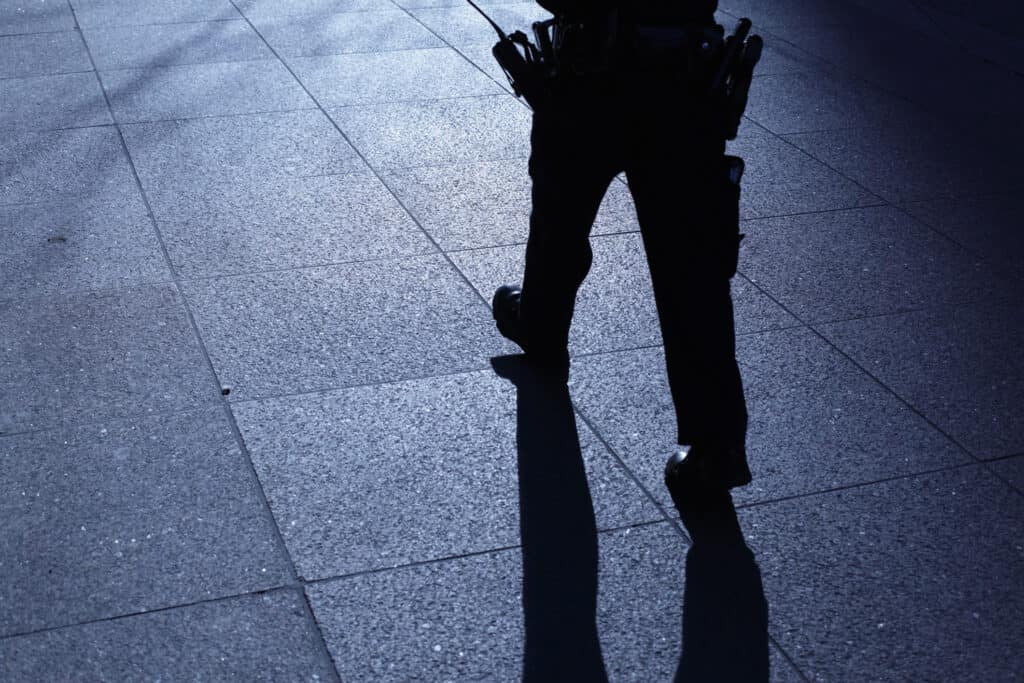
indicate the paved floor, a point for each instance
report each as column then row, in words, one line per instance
column 249, row 425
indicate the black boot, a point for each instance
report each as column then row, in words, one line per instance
column 505, row 307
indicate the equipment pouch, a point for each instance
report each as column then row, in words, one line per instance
column 729, row 214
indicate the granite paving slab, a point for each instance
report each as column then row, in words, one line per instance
column 98, row 355
column 126, row 516
column 904, row 165
column 1012, row 470
column 615, row 307
column 187, row 156
column 193, row 90
column 86, row 164
column 783, row 57
column 462, row 619
column 780, row 179
column 254, row 638
column 42, row 54
column 377, row 477
column 861, row 262
column 461, row 25
column 486, row 204
column 404, row 134
column 332, row 327
column 71, row 246
column 141, row 47
column 92, row 13
column 917, row 578
column 35, row 16
column 989, row 226
column 817, row 422
column 431, row 74
column 231, row 228
column 47, row 102
column 960, row 366
column 323, row 33
column 261, row 11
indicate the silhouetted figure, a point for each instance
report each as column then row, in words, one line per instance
column 725, row 614
column 558, row 531
column 631, row 93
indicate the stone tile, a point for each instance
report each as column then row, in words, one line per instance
column 461, row 25
column 903, row 165
column 176, row 92
column 54, row 248
column 783, row 57
column 988, row 226
column 261, row 11
column 230, row 228
column 960, row 366
column 338, row 326
column 254, row 638
column 98, row 355
column 814, row 101
column 190, row 155
column 862, row 262
column 432, row 74
column 321, row 33
column 141, row 47
column 42, row 54
column 486, row 204
column 480, row 54
column 615, row 307
column 35, row 16
column 121, row 517
column 781, row 180
column 462, row 619
column 80, row 165
column 60, row 101
column 1012, row 470
column 350, row 499
column 404, row 134
column 910, row 579
column 91, row 13
column 816, row 421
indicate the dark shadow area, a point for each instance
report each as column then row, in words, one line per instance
column 558, row 530
column 725, row 613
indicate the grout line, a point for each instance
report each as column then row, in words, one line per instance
column 49, row 74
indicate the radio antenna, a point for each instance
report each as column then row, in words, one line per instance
column 501, row 34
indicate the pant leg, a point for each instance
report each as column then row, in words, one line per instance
column 688, row 215
column 571, row 165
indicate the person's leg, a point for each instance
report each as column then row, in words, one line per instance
column 688, row 213
column 571, row 165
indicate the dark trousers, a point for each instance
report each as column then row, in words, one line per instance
column 667, row 143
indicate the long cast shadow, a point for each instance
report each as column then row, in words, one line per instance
column 725, row 613
column 558, row 531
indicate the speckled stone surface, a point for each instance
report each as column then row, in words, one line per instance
column 484, row 204
column 903, row 164
column 119, row 517
column 961, row 367
column 615, row 306
column 1012, row 470
column 193, row 90
column 911, row 579
column 430, row 474
column 850, row 264
column 42, row 54
column 436, row 73
column 140, row 47
column 134, row 12
column 35, row 16
column 57, row 101
column 404, row 134
column 63, row 247
column 344, row 32
column 260, row 11
column 331, row 327
column 816, row 421
column 227, row 228
column 97, row 355
column 462, row 619
column 75, row 165
column 460, row 25
column 186, row 155
column 254, row 638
